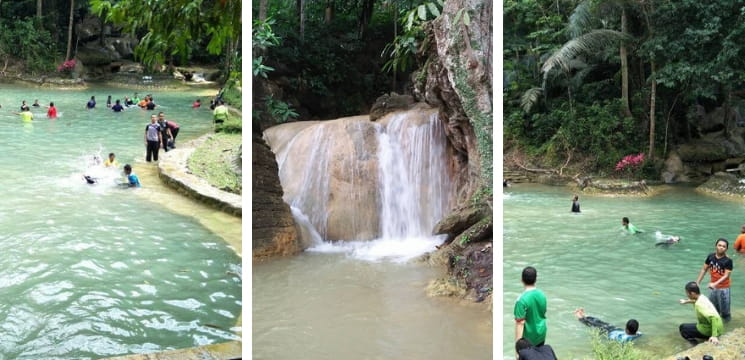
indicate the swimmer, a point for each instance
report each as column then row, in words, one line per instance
column 36, row 103
column 614, row 333
column 670, row 241
column 132, row 180
column 631, row 229
column 111, row 161
column 575, row 204
column 90, row 180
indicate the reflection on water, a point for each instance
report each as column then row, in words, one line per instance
column 90, row 271
column 586, row 260
column 320, row 306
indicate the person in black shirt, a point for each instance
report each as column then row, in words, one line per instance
column 117, row 107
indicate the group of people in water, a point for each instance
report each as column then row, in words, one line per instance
column 711, row 311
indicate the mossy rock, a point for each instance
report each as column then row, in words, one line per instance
column 702, row 151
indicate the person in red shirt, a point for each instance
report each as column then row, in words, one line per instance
column 720, row 268
column 196, row 104
column 52, row 112
column 740, row 241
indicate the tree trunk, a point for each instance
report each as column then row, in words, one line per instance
column 262, row 10
column 365, row 16
column 38, row 9
column 329, row 14
column 69, row 30
column 652, row 105
column 624, row 69
column 302, row 20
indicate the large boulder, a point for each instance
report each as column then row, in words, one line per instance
column 702, row 150
column 89, row 29
column 388, row 103
column 273, row 228
column 328, row 172
column 459, row 220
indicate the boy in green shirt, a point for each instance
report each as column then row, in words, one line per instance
column 530, row 310
column 709, row 323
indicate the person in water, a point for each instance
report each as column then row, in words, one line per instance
column 740, row 241
column 630, row 228
column 51, row 111
column 91, row 103
column 118, row 106
column 575, row 204
column 132, row 180
column 24, row 106
column 709, row 323
column 153, row 139
column 26, row 115
column 670, row 241
column 36, row 103
column 108, row 102
column 720, row 269
column 614, row 333
column 526, row 351
column 111, row 161
column 196, row 104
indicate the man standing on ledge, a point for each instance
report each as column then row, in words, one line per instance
column 530, row 310
column 709, row 323
column 720, row 268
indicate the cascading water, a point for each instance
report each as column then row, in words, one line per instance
column 413, row 175
column 352, row 179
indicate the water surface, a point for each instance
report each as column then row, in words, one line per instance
column 585, row 260
column 95, row 271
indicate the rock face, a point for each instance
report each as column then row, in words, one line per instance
column 328, row 172
column 388, row 103
column 458, row 81
column 460, row 220
column 273, row 230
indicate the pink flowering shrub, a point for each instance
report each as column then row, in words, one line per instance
column 630, row 163
column 66, row 66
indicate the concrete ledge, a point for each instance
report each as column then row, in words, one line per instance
column 223, row 351
column 173, row 171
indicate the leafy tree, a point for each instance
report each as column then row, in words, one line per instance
column 173, row 27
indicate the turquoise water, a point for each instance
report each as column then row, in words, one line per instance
column 586, row 261
column 95, row 271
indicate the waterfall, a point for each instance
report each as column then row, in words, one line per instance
column 414, row 184
column 352, row 179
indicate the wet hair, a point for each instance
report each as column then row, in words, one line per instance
column 632, row 326
column 625, row 220
column 726, row 243
column 51, row 104
column 521, row 344
column 117, row 101
column 160, row 113
column 692, row 287
column 529, row 275
column 127, row 168
column 576, row 197
column 111, row 154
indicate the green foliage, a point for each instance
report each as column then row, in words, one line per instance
column 234, row 125
column 22, row 39
column 259, row 69
column 280, row 111
column 605, row 349
column 401, row 53
column 175, row 28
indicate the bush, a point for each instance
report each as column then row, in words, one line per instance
column 25, row 41
column 234, row 125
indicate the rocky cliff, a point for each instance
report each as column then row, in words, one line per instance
column 273, row 232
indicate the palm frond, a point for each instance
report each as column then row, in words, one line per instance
column 530, row 98
column 590, row 43
column 580, row 19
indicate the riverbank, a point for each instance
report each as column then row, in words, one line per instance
column 731, row 346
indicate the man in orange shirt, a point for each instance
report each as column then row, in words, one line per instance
column 740, row 241
column 720, row 268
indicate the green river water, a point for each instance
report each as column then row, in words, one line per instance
column 96, row 271
column 586, row 261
